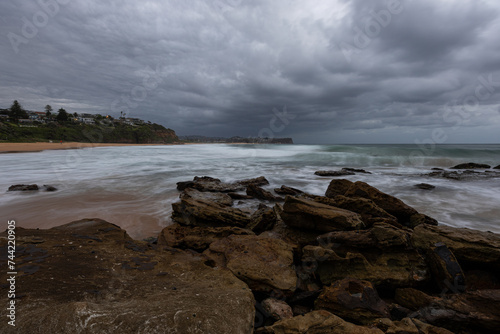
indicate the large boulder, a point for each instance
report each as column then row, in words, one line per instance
column 316, row 322
column 265, row 264
column 196, row 237
column 369, row 211
column 353, row 300
column 89, row 276
column 384, row 269
column 471, row 312
column 390, row 204
column 338, row 187
column 308, row 214
column 205, row 209
column 473, row 249
column 263, row 219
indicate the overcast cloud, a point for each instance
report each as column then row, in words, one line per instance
column 333, row 71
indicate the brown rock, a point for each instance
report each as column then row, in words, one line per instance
column 258, row 181
column 258, row 192
column 307, row 214
column 412, row 298
column 204, row 209
column 353, row 300
column 263, row 219
column 89, row 276
column 210, row 184
column 380, row 236
column 389, row 269
column 390, row 204
column 338, row 187
column 471, row 165
column 476, row 312
column 473, row 249
column 445, row 268
column 370, row 212
column 265, row 264
column 284, row 190
column 277, row 309
column 316, row 322
column 197, row 238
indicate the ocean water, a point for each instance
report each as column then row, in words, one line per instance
column 134, row 187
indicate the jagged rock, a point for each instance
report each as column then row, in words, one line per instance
column 197, row 238
column 473, row 249
column 334, row 173
column 369, row 211
column 389, row 269
column 355, row 170
column 477, row 312
column 209, row 184
column 316, row 322
column 307, row 214
column 263, row 219
column 413, row 299
column 205, row 209
column 23, row 187
column 265, row 264
column 390, row 204
column 445, row 268
column 338, row 187
column 353, row 300
column 49, row 188
column 258, row 192
column 258, row 181
column 409, row 326
column 425, row 186
column 89, row 276
column 277, row 309
column 381, row 236
column 471, row 165
column 284, row 190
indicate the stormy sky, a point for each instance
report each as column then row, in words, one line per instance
column 320, row 71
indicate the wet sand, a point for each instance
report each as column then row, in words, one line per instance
column 37, row 147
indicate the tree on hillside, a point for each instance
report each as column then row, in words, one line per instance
column 48, row 110
column 17, row 112
column 62, row 115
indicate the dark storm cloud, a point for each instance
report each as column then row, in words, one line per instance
column 347, row 71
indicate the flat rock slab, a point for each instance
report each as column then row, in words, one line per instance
column 91, row 277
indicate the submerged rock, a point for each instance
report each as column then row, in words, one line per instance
column 91, row 277
column 471, row 165
column 334, row 173
column 23, row 187
column 425, row 186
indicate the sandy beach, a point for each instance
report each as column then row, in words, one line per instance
column 37, row 147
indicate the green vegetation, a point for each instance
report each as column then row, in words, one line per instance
column 87, row 133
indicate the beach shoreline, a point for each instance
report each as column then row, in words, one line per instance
column 43, row 146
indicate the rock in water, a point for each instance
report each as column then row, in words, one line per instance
column 258, row 192
column 206, row 209
column 425, row 186
column 89, row 276
column 303, row 213
column 23, row 187
column 471, row 165
column 334, row 173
